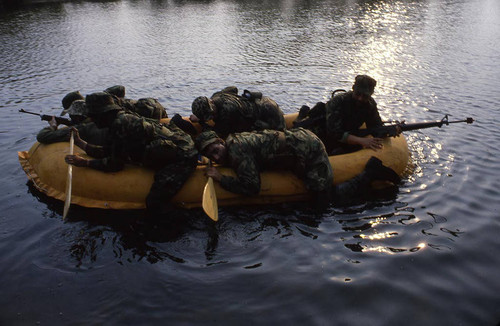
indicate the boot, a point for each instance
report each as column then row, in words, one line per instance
column 377, row 171
column 184, row 125
column 352, row 189
column 360, row 185
column 304, row 110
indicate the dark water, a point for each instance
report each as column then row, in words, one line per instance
column 427, row 255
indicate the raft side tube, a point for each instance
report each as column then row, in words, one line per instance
column 127, row 189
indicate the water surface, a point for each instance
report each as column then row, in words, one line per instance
column 424, row 255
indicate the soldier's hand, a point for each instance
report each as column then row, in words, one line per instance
column 78, row 141
column 75, row 160
column 398, row 128
column 53, row 123
column 372, row 143
column 210, row 171
column 76, row 134
column 194, row 118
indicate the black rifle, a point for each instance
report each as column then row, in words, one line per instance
column 391, row 130
column 46, row 117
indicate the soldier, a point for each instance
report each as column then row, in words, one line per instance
column 334, row 122
column 133, row 139
column 249, row 153
column 233, row 113
column 147, row 107
column 69, row 98
column 87, row 129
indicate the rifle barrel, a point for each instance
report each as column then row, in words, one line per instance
column 468, row 120
column 422, row 125
column 24, row 111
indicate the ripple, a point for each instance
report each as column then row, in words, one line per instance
column 432, row 245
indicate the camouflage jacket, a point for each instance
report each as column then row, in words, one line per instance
column 239, row 114
column 250, row 153
column 88, row 131
column 134, row 139
column 342, row 117
column 145, row 107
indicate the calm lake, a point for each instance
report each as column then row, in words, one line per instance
column 427, row 255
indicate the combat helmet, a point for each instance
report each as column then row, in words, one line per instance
column 364, row 84
column 100, row 102
column 70, row 98
column 117, row 90
column 203, row 108
column 78, row 107
column 206, row 138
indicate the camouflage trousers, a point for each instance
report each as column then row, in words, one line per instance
column 168, row 180
column 173, row 163
column 313, row 165
column 270, row 112
column 311, row 159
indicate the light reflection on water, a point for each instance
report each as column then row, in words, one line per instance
column 284, row 263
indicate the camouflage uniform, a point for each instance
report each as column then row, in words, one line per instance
column 88, row 131
column 239, row 114
column 164, row 148
column 333, row 122
column 342, row 116
column 250, row 153
column 146, row 107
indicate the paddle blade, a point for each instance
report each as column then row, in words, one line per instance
column 69, row 179
column 209, row 202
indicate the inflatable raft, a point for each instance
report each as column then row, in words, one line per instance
column 127, row 189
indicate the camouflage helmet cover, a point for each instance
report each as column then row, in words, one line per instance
column 78, row 107
column 206, row 138
column 100, row 102
column 117, row 90
column 364, row 84
column 70, row 98
column 203, row 108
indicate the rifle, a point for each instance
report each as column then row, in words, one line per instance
column 391, row 130
column 46, row 117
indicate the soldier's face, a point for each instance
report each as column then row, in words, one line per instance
column 360, row 98
column 216, row 152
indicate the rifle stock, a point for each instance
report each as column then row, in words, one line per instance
column 46, row 117
column 391, row 130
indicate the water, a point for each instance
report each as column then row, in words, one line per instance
column 427, row 255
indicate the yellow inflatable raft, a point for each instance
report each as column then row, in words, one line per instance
column 127, row 189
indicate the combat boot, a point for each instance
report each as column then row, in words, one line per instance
column 186, row 126
column 304, row 110
column 377, row 171
column 360, row 185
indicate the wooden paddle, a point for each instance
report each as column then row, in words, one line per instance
column 209, row 202
column 69, row 179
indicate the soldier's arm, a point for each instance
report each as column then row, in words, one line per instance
column 48, row 135
column 334, row 130
column 247, row 180
column 374, row 119
column 107, row 164
column 104, row 158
